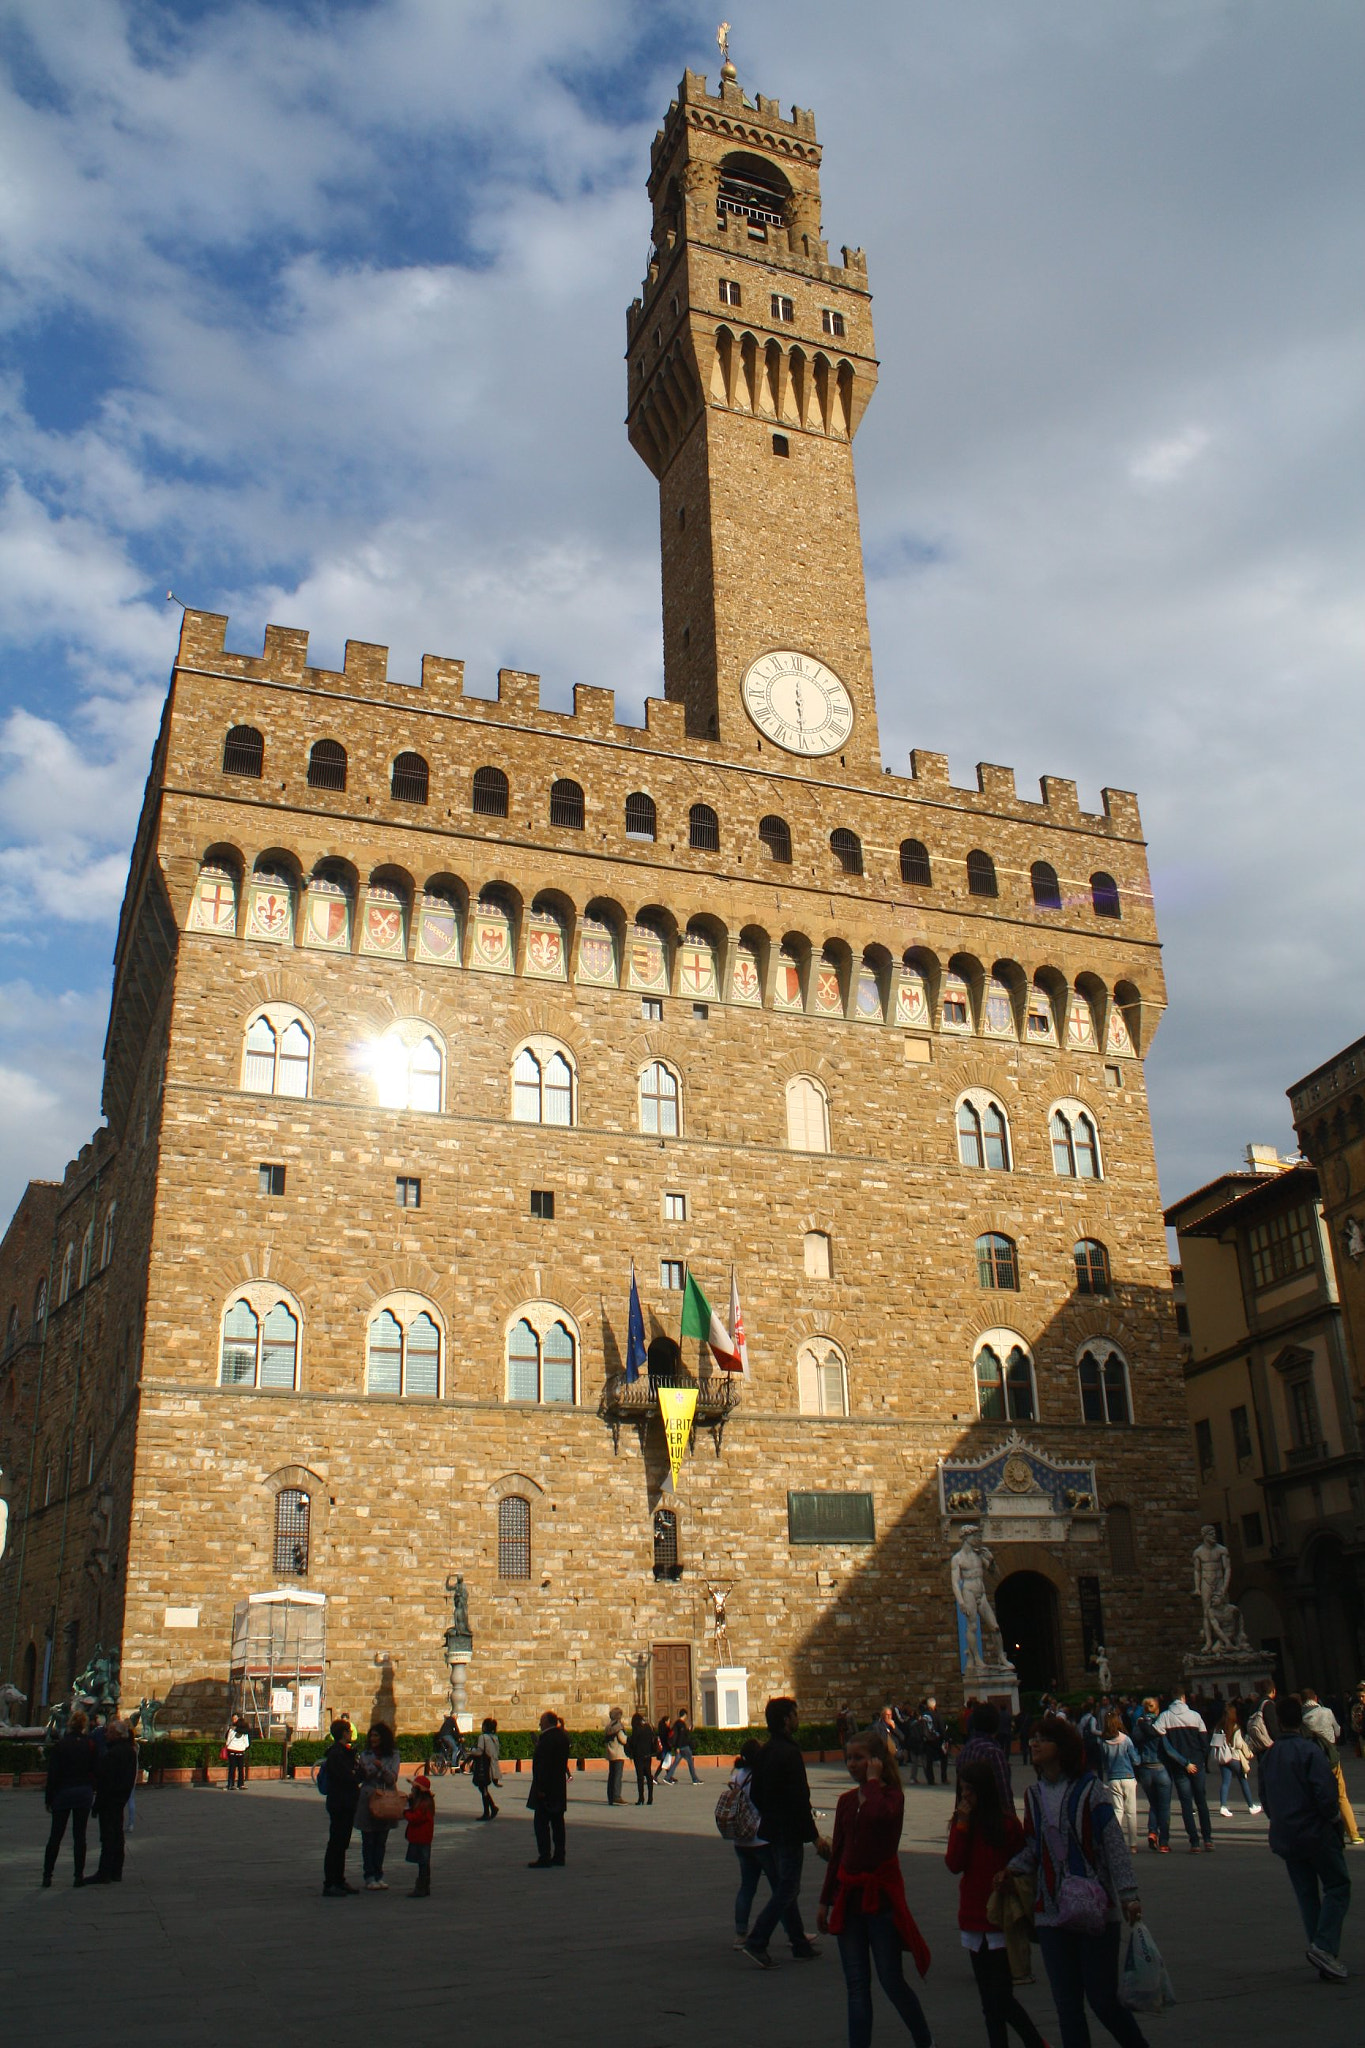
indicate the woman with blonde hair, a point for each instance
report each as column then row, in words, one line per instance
column 1118, row 1770
column 863, row 1900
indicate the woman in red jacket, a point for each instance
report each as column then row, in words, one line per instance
column 863, row 1899
column 981, row 1840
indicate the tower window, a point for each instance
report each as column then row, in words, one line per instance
column 543, row 1204
column 703, row 829
column 776, row 836
column 327, row 765
column 243, row 752
column 915, row 866
column 407, row 1190
column 1047, row 890
column 981, row 875
column 832, row 322
column 847, row 849
column 781, row 445
column 410, row 779
column 641, row 817
column 1104, row 895
column 490, row 793
column 271, row 1179
column 782, row 308
column 729, row 291
column 566, row 804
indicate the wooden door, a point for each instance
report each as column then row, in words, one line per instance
column 670, row 1678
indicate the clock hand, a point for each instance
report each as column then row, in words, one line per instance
column 800, row 714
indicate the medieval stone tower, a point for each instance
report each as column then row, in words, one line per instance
column 432, row 1013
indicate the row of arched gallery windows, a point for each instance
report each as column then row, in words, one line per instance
column 408, row 1066
column 490, row 797
column 442, row 925
column 405, row 1343
column 77, row 1268
column 997, row 1264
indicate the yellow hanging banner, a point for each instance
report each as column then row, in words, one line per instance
column 678, row 1406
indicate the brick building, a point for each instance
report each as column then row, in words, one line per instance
column 433, row 1011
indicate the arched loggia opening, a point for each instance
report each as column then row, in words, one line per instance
column 1026, row 1608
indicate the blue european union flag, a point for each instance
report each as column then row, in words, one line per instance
column 635, row 1335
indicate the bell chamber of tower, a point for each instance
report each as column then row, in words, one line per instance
column 750, row 363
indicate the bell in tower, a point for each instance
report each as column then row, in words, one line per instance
column 750, row 365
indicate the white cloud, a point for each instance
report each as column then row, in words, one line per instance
column 1164, row 462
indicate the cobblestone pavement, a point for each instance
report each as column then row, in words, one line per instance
column 220, row 1935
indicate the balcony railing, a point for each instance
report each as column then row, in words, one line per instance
column 1306, row 1454
column 636, row 1401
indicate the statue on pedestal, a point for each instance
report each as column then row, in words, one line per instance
column 719, row 1629
column 970, row 1564
column 1104, row 1675
column 457, row 1636
column 1212, row 1570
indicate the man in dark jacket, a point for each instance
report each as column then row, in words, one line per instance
column 548, row 1798
column 1299, row 1793
column 343, row 1789
column 1184, row 1742
column 115, row 1777
column 781, row 1792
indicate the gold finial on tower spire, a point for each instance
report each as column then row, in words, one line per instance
column 727, row 69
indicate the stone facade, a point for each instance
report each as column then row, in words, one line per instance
column 332, row 960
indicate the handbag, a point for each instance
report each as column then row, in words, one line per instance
column 222, row 1754
column 387, row 1806
column 1082, row 1902
column 481, row 1771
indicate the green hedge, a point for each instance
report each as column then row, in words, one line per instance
column 21, row 1756
column 165, row 1753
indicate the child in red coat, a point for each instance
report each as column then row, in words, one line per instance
column 981, row 1841
column 421, row 1826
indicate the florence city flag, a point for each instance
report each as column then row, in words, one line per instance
column 700, row 1320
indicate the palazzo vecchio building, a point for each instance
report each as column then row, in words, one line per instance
column 431, row 1013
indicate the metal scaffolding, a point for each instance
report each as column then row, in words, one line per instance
column 279, row 1649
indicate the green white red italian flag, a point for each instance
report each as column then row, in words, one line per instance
column 700, row 1320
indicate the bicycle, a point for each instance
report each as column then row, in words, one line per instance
column 442, row 1764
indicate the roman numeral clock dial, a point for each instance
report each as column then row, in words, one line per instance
column 797, row 702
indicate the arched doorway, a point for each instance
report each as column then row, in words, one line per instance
column 1026, row 1608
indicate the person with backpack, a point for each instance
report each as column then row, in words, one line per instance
column 485, row 1771
column 1230, row 1751
column 1083, row 1885
column 738, row 1821
column 642, row 1746
column 982, row 1836
column 338, row 1781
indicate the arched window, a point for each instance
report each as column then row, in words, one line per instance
column 260, row 1343
column 997, row 1261
column 1092, row 1266
column 816, row 1255
column 404, row 1352
column 1103, row 1374
column 243, row 752
column 514, row 1537
column 807, row 1115
column 566, row 804
column 326, row 769
column 981, row 874
column 541, row 1362
column 490, row 793
column 983, row 1135
column 666, row 1565
column 409, row 1068
column 1104, row 894
column 1075, row 1145
column 68, row 1274
column 660, row 1100
column 1047, row 890
column 277, row 1054
column 107, row 1240
column 40, row 1302
column 642, row 820
column 1004, row 1380
column 775, row 834
column 703, row 829
column 88, row 1251
column 915, row 865
column 542, row 1087
column 410, row 779
column 847, row 849
column 822, row 1379
column 292, row 1509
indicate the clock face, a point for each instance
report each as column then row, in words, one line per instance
column 797, row 702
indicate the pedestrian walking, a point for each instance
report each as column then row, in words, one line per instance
column 69, row 1794
column 935, row 1740
column 1185, row 1751
column 237, row 1742
column 1118, row 1772
column 913, row 1745
column 1300, row 1796
column 486, row 1768
column 548, row 1797
column 862, row 1901
column 1072, row 1832
column 377, row 1810
column 754, row 1857
column 682, row 1748
column 781, row 1792
column 1231, row 1752
column 1153, row 1777
column 339, row 1781
column 983, row 1834
column 642, row 1746
column 420, row 1828
column 983, row 1747
column 1320, row 1724
column 115, row 1776
column 664, row 1733
column 614, row 1739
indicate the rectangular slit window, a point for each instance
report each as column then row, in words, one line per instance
column 832, row 322
column 675, row 1208
column 781, row 445
column 543, row 1204
column 671, row 1275
column 408, row 1191
column 271, row 1179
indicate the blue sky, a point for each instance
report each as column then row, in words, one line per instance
column 315, row 314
